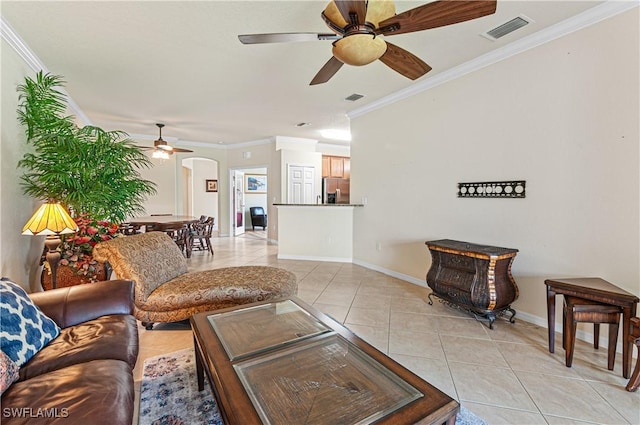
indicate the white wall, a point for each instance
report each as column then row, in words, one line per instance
column 204, row 203
column 19, row 255
column 164, row 175
column 335, row 150
column 563, row 116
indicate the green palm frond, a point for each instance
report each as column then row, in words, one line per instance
column 88, row 169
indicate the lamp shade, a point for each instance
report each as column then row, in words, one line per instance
column 50, row 219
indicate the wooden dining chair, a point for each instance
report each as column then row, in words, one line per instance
column 181, row 235
column 634, row 338
column 201, row 235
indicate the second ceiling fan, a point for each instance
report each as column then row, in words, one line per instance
column 357, row 25
column 161, row 149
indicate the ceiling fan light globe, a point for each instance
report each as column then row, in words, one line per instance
column 359, row 49
column 160, row 154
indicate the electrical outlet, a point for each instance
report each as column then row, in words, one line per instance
column 379, row 246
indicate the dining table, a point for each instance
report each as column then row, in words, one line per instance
column 174, row 225
column 161, row 220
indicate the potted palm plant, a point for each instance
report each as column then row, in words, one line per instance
column 94, row 173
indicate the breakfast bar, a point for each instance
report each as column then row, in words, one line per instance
column 320, row 232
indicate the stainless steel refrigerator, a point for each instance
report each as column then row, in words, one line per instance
column 335, row 191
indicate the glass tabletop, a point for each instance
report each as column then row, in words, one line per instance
column 325, row 381
column 252, row 330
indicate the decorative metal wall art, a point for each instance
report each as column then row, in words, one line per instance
column 508, row 189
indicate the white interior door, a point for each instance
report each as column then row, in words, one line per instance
column 301, row 184
column 237, row 218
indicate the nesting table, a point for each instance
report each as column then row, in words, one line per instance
column 594, row 289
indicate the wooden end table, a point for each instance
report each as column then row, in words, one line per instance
column 284, row 362
column 595, row 289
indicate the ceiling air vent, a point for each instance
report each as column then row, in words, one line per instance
column 354, row 97
column 507, row 27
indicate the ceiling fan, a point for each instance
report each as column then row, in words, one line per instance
column 357, row 25
column 161, row 149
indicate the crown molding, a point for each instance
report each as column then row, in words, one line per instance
column 33, row 61
column 224, row 146
column 587, row 18
column 211, row 145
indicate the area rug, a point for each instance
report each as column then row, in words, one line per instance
column 169, row 394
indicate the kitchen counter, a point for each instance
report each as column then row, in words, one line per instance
column 318, row 232
column 319, row 205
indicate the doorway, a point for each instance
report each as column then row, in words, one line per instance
column 237, row 202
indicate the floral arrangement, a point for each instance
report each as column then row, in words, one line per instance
column 76, row 248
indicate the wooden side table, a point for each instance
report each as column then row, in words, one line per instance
column 595, row 289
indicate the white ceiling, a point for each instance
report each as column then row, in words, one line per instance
column 130, row 64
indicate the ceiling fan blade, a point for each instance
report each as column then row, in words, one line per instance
column 169, row 148
column 353, row 11
column 285, row 37
column 404, row 62
column 436, row 14
column 379, row 11
column 327, row 71
column 143, row 148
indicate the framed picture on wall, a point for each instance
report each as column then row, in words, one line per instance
column 255, row 183
column 212, row 186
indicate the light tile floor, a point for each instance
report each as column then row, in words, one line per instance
column 505, row 375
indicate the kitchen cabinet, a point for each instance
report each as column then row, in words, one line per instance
column 336, row 166
column 346, row 168
column 325, row 166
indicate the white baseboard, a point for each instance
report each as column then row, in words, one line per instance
column 313, row 258
column 392, row 273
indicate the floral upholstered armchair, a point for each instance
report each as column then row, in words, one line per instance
column 165, row 291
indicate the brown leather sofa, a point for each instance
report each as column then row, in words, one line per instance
column 85, row 375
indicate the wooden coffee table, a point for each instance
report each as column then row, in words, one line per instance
column 284, row 362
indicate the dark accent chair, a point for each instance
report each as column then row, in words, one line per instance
column 258, row 217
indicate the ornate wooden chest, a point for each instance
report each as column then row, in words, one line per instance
column 473, row 277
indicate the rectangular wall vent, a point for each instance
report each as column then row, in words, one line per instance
column 354, row 97
column 507, row 27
